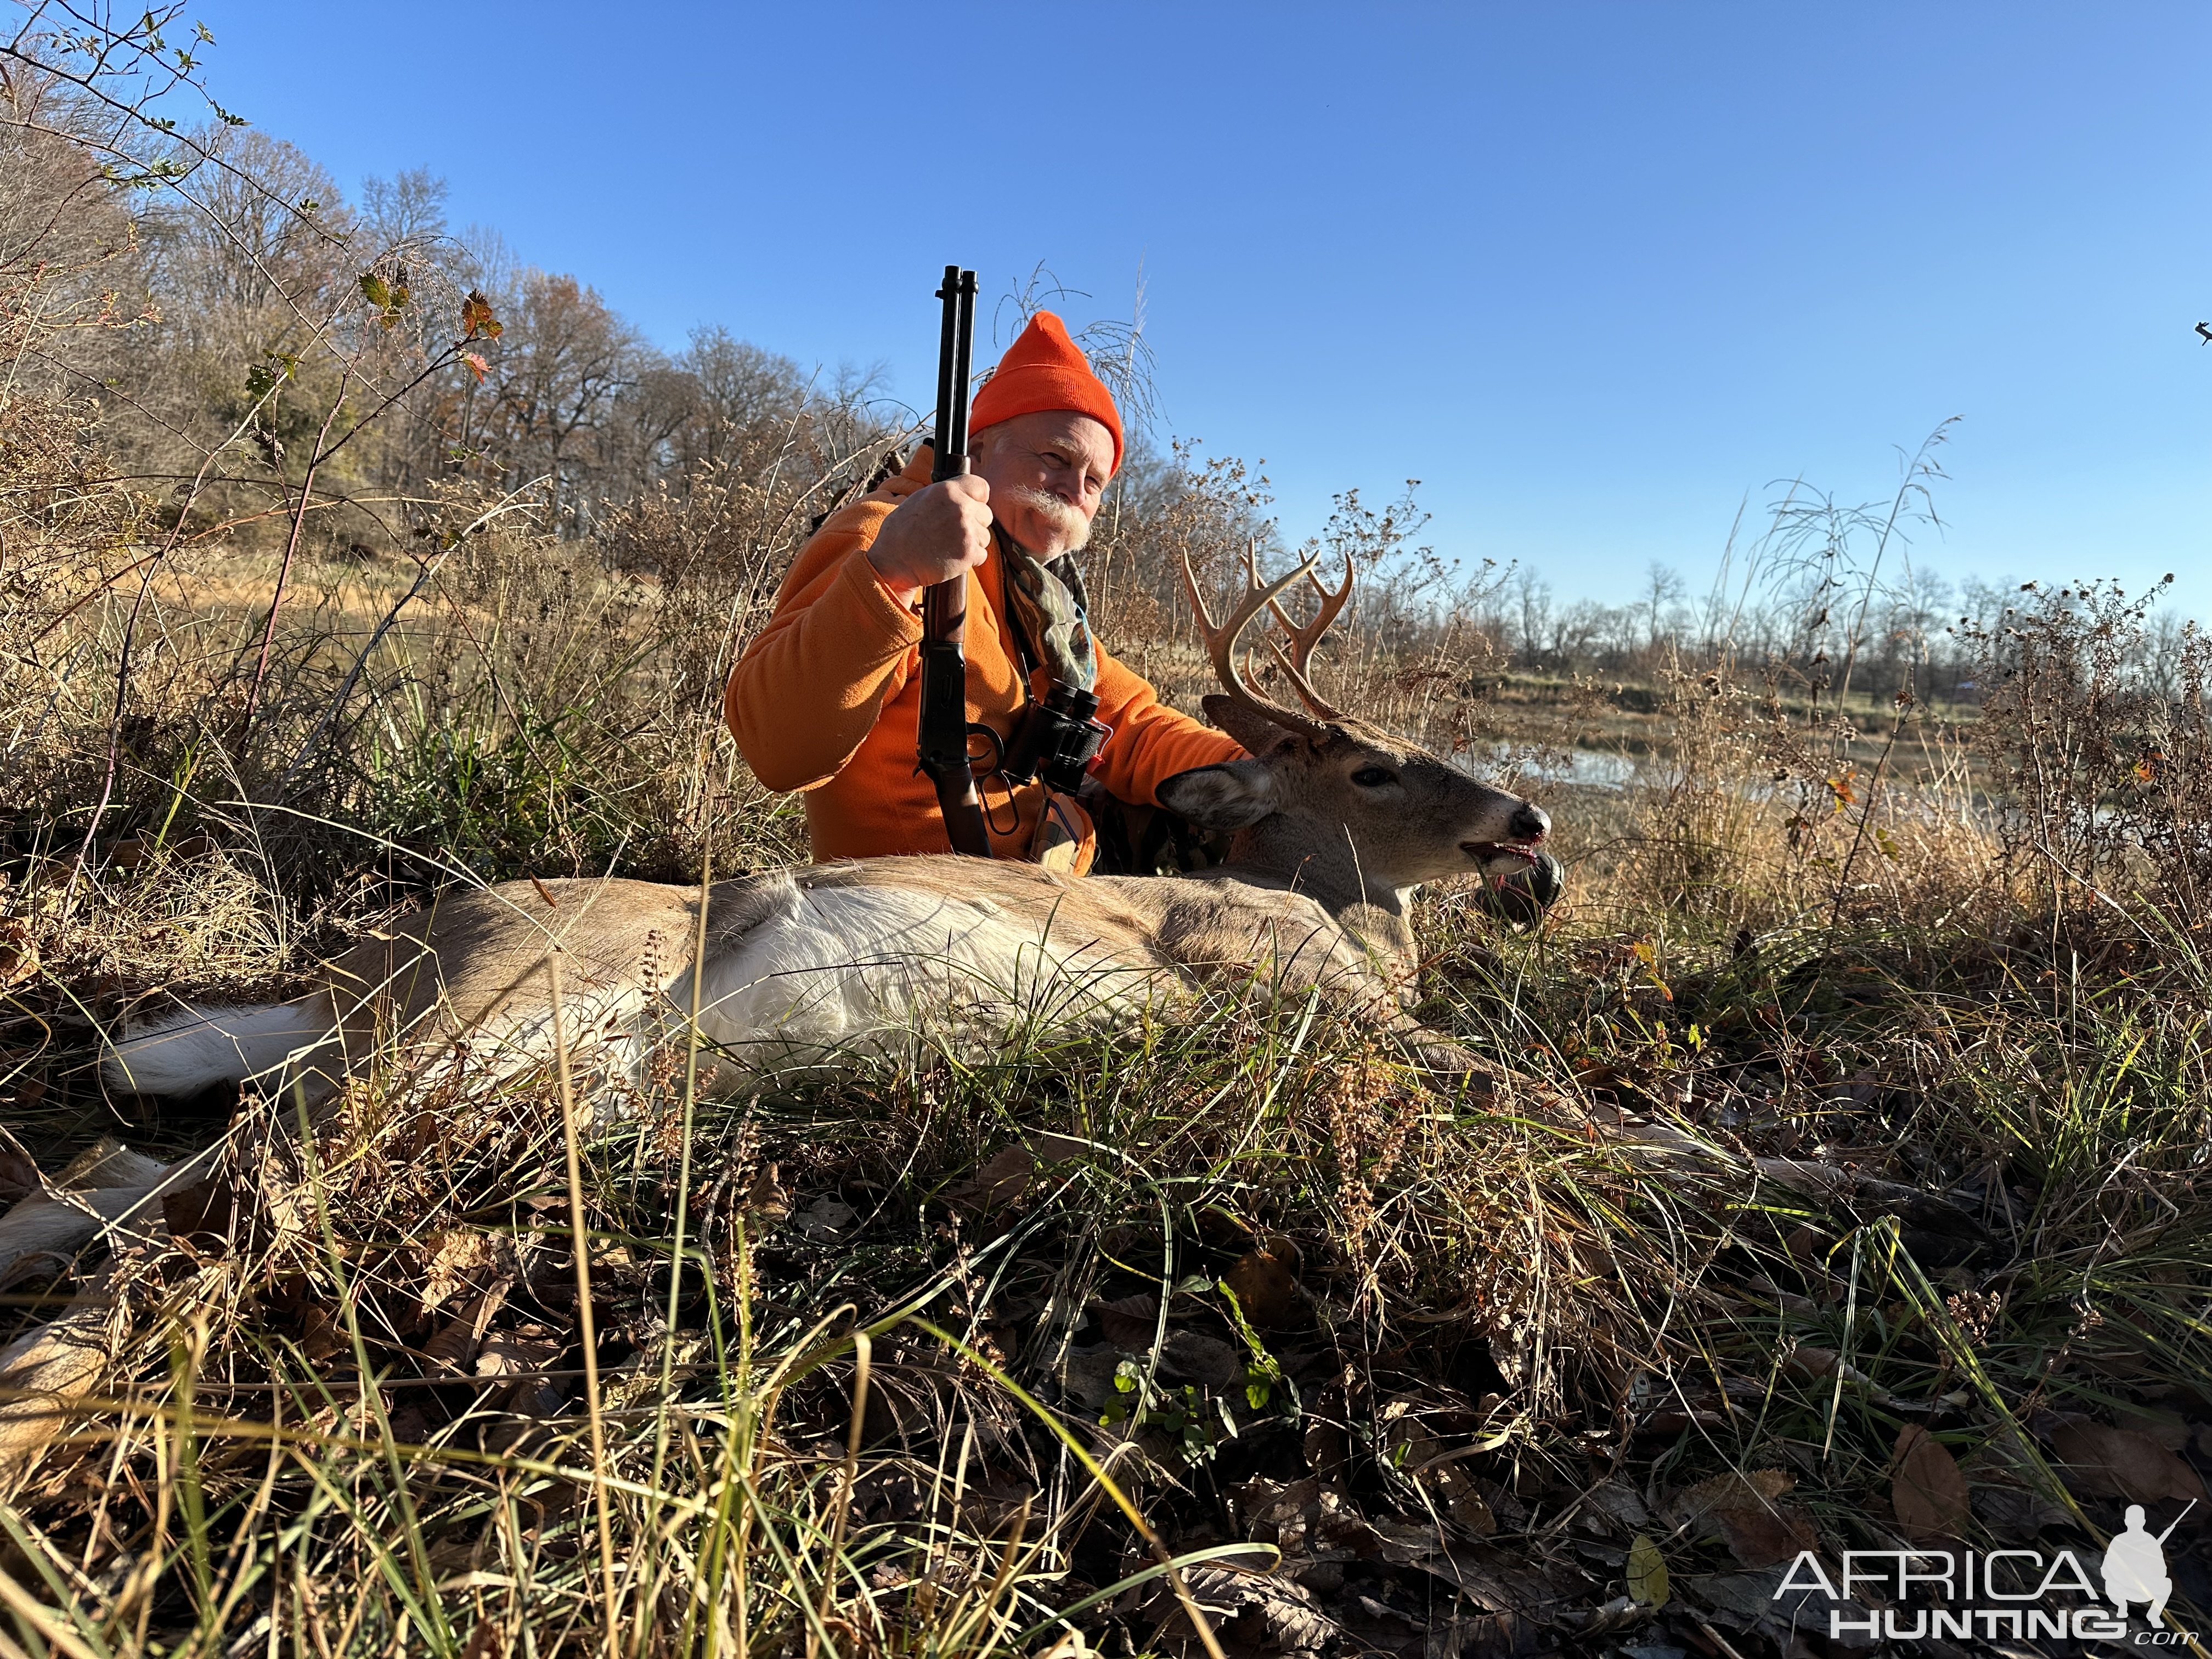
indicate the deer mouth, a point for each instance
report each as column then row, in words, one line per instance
column 1521, row 854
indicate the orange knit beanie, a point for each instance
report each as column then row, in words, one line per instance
column 1045, row 369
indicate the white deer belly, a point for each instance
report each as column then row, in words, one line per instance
column 876, row 969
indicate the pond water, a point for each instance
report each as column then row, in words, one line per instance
column 1588, row 769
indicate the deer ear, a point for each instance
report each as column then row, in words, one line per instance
column 1255, row 732
column 1232, row 796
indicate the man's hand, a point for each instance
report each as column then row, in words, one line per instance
column 933, row 536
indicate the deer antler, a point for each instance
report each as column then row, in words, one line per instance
column 1299, row 663
column 1221, row 642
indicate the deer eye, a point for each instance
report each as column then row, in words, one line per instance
column 1372, row 777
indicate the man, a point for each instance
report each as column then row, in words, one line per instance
column 825, row 700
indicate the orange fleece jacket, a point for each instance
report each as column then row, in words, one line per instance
column 825, row 700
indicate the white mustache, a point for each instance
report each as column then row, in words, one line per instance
column 1074, row 529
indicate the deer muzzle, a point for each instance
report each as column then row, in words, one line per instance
column 1524, row 835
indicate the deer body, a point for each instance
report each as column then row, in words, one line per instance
column 801, row 967
column 1334, row 823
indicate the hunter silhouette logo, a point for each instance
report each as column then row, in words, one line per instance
column 2135, row 1565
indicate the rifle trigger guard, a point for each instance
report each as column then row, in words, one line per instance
column 996, row 743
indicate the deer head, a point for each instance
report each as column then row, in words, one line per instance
column 1345, row 809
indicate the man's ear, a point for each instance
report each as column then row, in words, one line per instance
column 1232, row 796
column 1255, row 732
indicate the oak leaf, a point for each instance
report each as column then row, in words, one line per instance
column 1266, row 1284
column 1927, row 1489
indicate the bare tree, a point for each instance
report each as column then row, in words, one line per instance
column 564, row 361
column 1663, row 593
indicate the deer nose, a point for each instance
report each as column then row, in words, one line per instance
column 1530, row 823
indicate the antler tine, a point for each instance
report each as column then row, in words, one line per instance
column 1221, row 641
column 1303, row 639
column 1299, row 663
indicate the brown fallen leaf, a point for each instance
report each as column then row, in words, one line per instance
column 466, row 1260
column 999, row 1182
column 1464, row 1500
column 766, row 1200
column 1494, row 1578
column 1617, row 1500
column 1752, row 1489
column 1087, row 1377
column 1766, row 1538
column 2168, row 1428
column 409, row 1425
column 1746, row 1510
column 1050, row 1148
column 1326, row 1449
column 1265, row 1282
column 319, row 1335
column 1257, row 1613
column 2121, row 1463
column 1926, row 1487
column 199, row 1216
column 1268, row 1505
column 453, row 1348
column 19, row 953
column 517, row 1354
column 1195, row 1357
column 1129, row 1322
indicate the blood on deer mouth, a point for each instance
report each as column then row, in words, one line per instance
column 1483, row 852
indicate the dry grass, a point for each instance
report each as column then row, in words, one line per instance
column 1460, row 1365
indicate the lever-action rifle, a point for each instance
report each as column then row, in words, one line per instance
column 942, row 726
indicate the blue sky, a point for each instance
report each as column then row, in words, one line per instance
column 1593, row 272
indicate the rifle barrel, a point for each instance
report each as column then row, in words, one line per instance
column 941, row 737
column 951, row 440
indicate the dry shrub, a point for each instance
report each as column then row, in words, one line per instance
column 718, row 546
column 63, row 521
column 1757, row 813
column 2101, row 749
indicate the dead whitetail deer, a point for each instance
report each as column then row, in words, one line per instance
column 1334, row 823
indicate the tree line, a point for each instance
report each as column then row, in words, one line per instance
column 267, row 363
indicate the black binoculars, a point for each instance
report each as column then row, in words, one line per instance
column 1056, row 740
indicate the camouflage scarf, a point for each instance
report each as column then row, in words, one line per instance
column 1050, row 615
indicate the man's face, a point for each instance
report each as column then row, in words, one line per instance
column 1048, row 472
